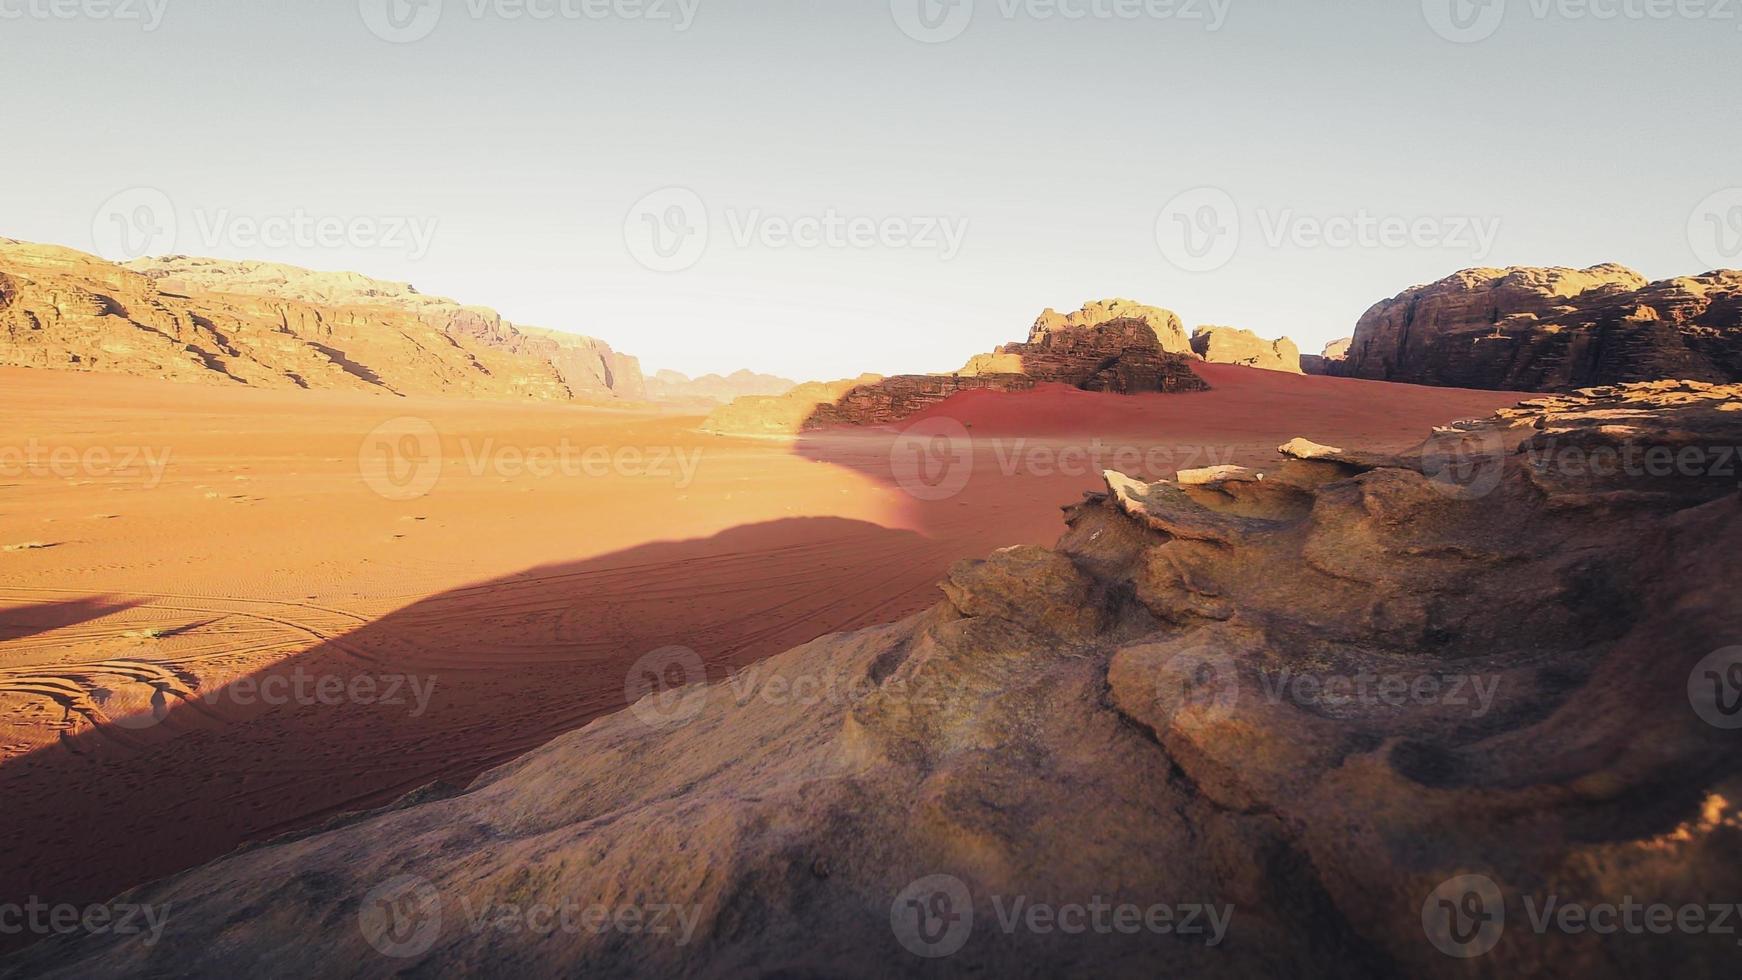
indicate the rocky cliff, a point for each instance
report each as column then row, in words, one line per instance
column 1330, row 361
column 1231, row 345
column 275, row 326
column 1114, row 346
column 1531, row 329
column 1357, row 715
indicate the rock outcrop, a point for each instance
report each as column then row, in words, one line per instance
column 1329, row 362
column 1231, row 345
column 275, row 326
column 1367, row 716
column 1169, row 331
column 1113, row 346
column 676, row 387
column 1528, row 329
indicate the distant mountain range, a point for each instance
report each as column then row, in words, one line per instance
column 268, row 325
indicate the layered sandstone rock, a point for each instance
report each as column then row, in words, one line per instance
column 1123, row 355
column 1549, row 329
column 587, row 367
column 1231, row 345
column 1114, row 346
column 1331, row 361
column 1169, row 331
column 274, row 326
column 1366, row 716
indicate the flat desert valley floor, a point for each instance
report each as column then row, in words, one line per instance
column 223, row 615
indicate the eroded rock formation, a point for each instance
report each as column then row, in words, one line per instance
column 1114, row 346
column 1360, row 715
column 1528, row 329
column 275, row 326
column 1330, row 361
column 1232, row 345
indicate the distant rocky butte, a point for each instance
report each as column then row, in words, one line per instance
column 1329, row 362
column 1530, row 329
column 1339, row 705
column 1113, row 346
column 1231, row 345
column 673, row 386
column 275, row 326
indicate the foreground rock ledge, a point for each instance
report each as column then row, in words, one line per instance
column 1500, row 647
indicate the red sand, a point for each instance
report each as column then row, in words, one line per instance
column 515, row 602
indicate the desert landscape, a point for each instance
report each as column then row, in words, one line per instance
column 904, row 490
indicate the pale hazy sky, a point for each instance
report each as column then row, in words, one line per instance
column 1031, row 157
